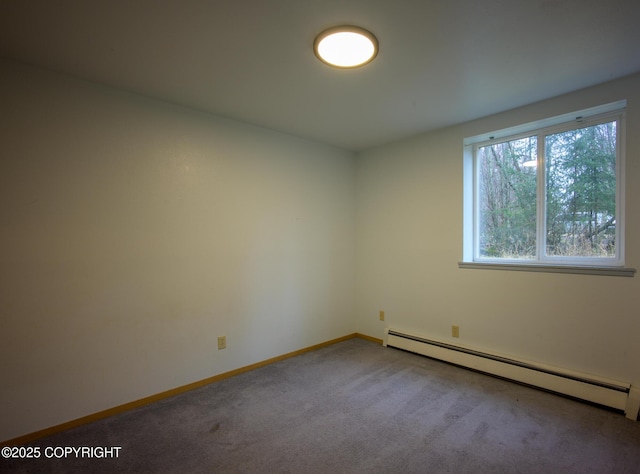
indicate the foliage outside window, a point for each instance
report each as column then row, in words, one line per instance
column 550, row 194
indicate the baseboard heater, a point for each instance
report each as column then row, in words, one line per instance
column 610, row 393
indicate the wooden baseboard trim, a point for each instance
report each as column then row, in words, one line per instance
column 369, row 338
column 28, row 438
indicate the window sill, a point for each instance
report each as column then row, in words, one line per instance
column 606, row 271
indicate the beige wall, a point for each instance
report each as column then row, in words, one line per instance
column 409, row 241
column 133, row 233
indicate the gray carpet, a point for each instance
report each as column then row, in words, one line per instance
column 356, row 407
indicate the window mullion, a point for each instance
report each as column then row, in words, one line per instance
column 541, row 201
column 620, row 187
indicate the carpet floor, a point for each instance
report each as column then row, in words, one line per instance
column 354, row 407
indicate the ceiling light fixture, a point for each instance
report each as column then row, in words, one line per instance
column 346, row 46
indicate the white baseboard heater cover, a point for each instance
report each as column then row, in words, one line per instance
column 610, row 393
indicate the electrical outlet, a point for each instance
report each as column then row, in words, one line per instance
column 381, row 315
column 455, row 331
column 222, row 342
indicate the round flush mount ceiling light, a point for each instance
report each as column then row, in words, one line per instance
column 346, row 46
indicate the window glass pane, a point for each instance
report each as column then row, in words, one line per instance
column 507, row 199
column 581, row 192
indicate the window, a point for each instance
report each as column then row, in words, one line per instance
column 549, row 193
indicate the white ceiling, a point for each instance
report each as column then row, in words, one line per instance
column 441, row 61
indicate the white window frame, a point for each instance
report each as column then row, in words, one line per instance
column 565, row 122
